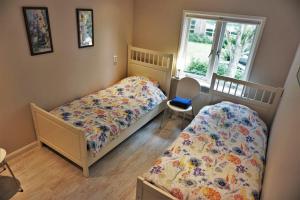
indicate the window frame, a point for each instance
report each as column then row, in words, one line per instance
column 217, row 44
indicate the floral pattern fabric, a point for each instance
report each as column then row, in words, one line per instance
column 102, row 115
column 220, row 155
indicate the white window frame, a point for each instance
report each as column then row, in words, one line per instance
column 220, row 18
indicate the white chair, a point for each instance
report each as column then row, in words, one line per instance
column 4, row 164
column 186, row 88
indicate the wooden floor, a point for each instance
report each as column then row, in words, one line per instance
column 46, row 175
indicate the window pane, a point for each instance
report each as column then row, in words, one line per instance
column 198, row 46
column 236, row 49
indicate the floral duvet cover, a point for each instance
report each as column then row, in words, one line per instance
column 220, row 155
column 102, row 115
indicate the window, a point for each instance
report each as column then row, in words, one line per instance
column 220, row 43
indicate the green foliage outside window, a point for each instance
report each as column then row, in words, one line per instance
column 194, row 37
column 239, row 74
column 234, row 54
column 197, row 67
column 200, row 68
column 223, row 70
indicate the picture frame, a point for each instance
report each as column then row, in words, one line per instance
column 38, row 30
column 85, row 27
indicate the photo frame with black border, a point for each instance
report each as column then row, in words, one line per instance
column 85, row 29
column 38, row 30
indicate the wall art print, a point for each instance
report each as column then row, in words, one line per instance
column 85, row 27
column 38, row 30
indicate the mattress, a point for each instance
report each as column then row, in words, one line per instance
column 104, row 114
column 220, row 155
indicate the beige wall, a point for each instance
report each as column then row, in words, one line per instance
column 282, row 179
column 157, row 26
column 52, row 79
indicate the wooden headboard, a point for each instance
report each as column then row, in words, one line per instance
column 263, row 99
column 152, row 64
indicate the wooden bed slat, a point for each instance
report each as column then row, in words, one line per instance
column 158, row 67
column 249, row 95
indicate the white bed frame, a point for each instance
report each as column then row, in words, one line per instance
column 155, row 65
column 261, row 98
column 71, row 141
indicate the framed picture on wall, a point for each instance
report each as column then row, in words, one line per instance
column 85, row 27
column 38, row 30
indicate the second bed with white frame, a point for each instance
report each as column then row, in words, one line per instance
column 261, row 98
column 71, row 142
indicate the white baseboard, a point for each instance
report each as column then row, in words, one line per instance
column 22, row 150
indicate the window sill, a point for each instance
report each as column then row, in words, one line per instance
column 205, row 85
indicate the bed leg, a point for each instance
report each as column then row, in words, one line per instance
column 84, row 156
column 139, row 189
column 86, row 171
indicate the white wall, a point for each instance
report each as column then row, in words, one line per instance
column 52, row 79
column 282, row 178
column 157, row 25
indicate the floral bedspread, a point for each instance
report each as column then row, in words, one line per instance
column 104, row 114
column 220, row 155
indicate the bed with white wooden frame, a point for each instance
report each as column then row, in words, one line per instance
column 71, row 142
column 261, row 98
